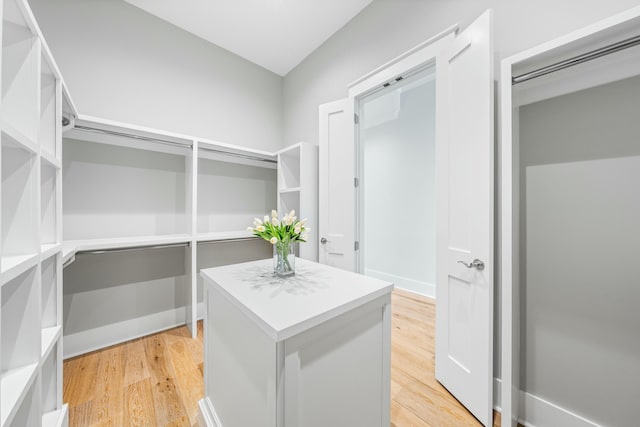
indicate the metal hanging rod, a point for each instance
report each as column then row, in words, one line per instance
column 128, row 135
column 235, row 239
column 594, row 54
column 133, row 248
column 239, row 155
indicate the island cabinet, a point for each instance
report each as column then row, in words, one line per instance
column 309, row 350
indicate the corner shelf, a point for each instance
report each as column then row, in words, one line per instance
column 49, row 338
column 289, row 190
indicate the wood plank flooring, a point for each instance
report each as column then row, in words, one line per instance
column 157, row 380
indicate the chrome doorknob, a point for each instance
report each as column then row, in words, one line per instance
column 323, row 240
column 476, row 263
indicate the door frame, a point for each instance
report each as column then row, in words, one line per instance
column 423, row 56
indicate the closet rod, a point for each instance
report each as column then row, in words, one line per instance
column 594, row 54
column 128, row 135
column 133, row 248
column 240, row 155
column 236, row 239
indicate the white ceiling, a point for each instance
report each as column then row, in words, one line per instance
column 276, row 34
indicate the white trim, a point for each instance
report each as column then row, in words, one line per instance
column 405, row 283
column 535, row 411
column 451, row 30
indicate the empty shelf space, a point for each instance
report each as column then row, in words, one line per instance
column 14, row 385
column 13, row 137
column 49, row 338
column 55, row 418
column 14, row 265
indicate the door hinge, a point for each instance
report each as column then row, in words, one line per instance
column 356, row 182
column 356, row 118
column 356, row 245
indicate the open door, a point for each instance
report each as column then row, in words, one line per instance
column 336, row 217
column 464, row 180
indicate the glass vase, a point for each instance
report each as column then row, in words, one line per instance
column 284, row 259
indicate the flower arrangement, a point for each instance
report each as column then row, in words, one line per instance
column 282, row 234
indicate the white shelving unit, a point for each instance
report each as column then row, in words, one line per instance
column 298, row 190
column 30, row 226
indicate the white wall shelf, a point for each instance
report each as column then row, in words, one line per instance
column 298, row 190
column 14, row 387
column 30, row 225
column 20, row 75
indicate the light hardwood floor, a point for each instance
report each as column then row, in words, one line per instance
column 157, row 380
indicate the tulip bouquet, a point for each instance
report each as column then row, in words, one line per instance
column 282, row 234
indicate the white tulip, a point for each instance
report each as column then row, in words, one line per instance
column 292, row 213
column 305, row 236
column 298, row 229
column 260, row 228
column 274, row 213
column 275, row 222
column 288, row 220
column 257, row 221
column 274, row 240
column 250, row 229
column 266, row 219
column 303, row 222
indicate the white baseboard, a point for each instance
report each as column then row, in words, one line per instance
column 126, row 330
column 416, row 286
column 537, row 412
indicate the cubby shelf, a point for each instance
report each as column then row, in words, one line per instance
column 50, row 159
column 49, row 249
column 14, row 386
column 289, row 190
column 14, row 265
column 49, row 338
column 12, row 136
column 56, row 418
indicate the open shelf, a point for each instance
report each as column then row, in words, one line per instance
column 48, row 209
column 19, row 216
column 231, row 195
column 117, row 192
column 49, row 380
column 290, row 201
column 56, row 418
column 289, row 168
column 20, row 60
column 49, row 337
column 20, row 339
column 47, row 135
column 49, row 295
column 16, row 389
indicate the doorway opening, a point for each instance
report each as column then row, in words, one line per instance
column 396, row 143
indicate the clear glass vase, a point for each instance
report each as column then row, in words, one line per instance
column 284, row 259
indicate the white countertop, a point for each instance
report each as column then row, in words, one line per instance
column 284, row 307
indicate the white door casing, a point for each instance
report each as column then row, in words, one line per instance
column 464, row 187
column 336, row 206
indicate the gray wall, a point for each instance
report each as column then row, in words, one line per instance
column 124, row 64
column 580, row 205
column 388, row 28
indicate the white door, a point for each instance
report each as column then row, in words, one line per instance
column 464, row 180
column 336, row 185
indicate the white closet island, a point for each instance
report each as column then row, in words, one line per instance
column 309, row 350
